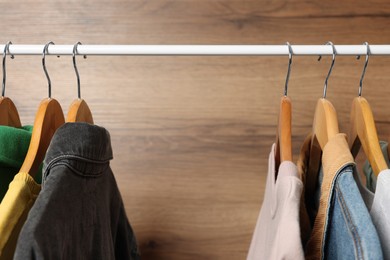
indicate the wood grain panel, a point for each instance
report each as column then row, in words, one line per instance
column 191, row 135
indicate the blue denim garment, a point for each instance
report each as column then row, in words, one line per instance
column 341, row 227
column 350, row 232
column 378, row 202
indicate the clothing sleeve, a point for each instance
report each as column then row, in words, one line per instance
column 125, row 241
column 27, row 249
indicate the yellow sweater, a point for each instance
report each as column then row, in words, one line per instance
column 16, row 204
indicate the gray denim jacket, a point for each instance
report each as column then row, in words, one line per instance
column 79, row 213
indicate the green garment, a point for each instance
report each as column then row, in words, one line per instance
column 370, row 176
column 14, row 143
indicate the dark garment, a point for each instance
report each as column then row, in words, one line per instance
column 79, row 213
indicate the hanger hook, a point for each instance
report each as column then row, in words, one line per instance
column 364, row 68
column 75, row 67
column 331, row 66
column 290, row 54
column 45, row 50
column 6, row 49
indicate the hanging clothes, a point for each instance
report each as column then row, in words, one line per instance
column 341, row 227
column 14, row 143
column 79, row 211
column 18, row 191
column 20, row 197
column 378, row 202
column 277, row 233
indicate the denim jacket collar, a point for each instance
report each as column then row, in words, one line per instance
column 83, row 147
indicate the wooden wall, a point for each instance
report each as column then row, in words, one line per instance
column 191, row 135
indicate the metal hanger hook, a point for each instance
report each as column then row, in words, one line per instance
column 75, row 68
column 364, row 68
column 290, row 54
column 45, row 50
column 331, row 66
column 6, row 49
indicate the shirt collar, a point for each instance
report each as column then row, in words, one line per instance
column 81, row 143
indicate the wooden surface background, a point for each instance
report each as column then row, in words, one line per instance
column 191, row 135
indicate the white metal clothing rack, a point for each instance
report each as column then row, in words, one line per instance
column 198, row 50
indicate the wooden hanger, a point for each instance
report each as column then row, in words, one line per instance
column 48, row 118
column 9, row 115
column 325, row 126
column 363, row 131
column 283, row 151
column 79, row 110
column 325, row 123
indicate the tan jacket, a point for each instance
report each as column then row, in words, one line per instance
column 336, row 155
